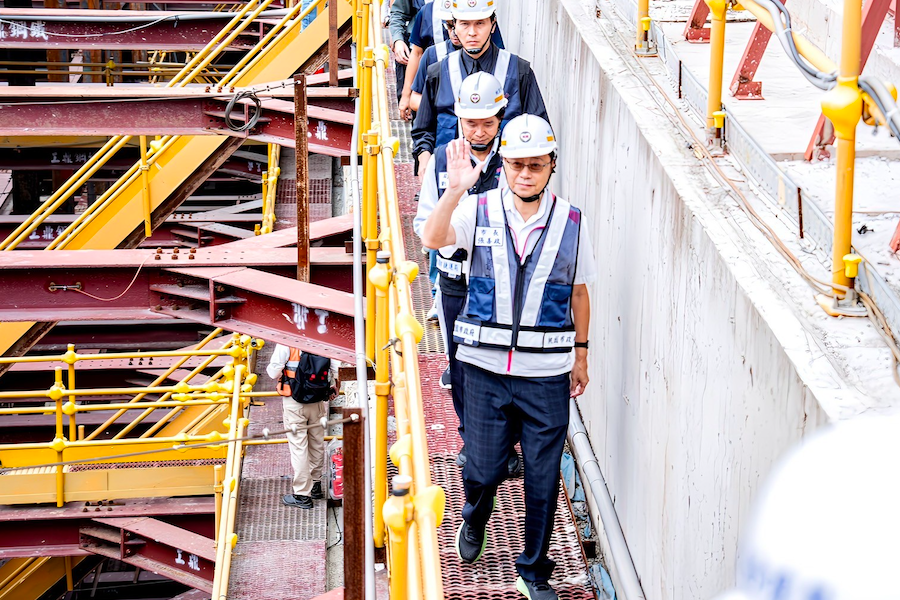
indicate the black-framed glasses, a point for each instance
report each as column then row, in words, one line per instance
column 518, row 165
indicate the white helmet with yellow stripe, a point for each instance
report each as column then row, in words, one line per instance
column 527, row 136
column 480, row 96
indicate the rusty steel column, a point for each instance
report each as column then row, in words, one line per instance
column 301, row 148
column 333, row 44
column 355, row 497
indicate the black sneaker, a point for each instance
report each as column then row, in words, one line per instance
column 316, row 492
column 445, row 379
column 470, row 544
column 297, row 501
column 461, row 457
column 514, row 464
column 536, row 590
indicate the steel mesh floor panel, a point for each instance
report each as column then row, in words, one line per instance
column 281, row 570
column 262, row 516
column 494, row 575
column 158, row 464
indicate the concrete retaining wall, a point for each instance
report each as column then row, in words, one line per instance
column 692, row 393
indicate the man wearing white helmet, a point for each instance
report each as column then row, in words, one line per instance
column 435, row 122
column 433, row 37
column 522, row 333
column 480, row 108
column 825, row 525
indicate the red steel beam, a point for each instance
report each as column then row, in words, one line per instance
column 874, row 14
column 107, row 30
column 37, row 111
column 27, row 531
column 696, row 31
column 156, row 546
column 217, row 288
column 742, row 86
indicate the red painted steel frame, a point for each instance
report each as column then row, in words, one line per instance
column 39, row 111
column 695, row 31
column 175, row 35
column 217, row 288
column 27, row 531
column 742, row 86
column 874, row 14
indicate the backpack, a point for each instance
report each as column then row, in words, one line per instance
column 309, row 383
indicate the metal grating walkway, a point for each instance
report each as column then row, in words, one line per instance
column 281, row 550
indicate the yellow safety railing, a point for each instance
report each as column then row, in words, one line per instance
column 407, row 521
column 269, row 187
column 845, row 104
column 188, row 73
column 29, row 468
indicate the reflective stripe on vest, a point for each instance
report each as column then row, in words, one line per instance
column 505, row 71
column 441, row 50
column 282, row 387
column 539, row 287
column 437, row 26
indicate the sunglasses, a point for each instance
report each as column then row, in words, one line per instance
column 517, row 165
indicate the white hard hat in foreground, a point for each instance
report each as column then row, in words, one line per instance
column 826, row 525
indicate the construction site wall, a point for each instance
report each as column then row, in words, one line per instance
column 697, row 384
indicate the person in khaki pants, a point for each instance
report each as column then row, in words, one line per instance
column 307, row 446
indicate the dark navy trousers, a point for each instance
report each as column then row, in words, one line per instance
column 451, row 306
column 499, row 408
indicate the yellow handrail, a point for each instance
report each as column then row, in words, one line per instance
column 415, row 509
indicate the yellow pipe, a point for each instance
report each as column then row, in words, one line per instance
column 843, row 107
column 370, row 194
column 100, row 158
column 380, row 275
column 277, row 29
column 259, row 51
column 717, row 9
column 145, row 180
column 178, row 364
column 70, row 383
column 77, row 408
column 218, row 488
column 107, row 198
column 397, row 513
column 807, row 49
column 70, row 581
column 117, row 355
column 232, row 473
column 643, row 11
column 212, row 43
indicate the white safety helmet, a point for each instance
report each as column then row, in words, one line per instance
column 480, row 96
column 527, row 136
column 443, row 8
column 826, row 524
column 472, row 10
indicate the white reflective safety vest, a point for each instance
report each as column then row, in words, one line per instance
column 515, row 304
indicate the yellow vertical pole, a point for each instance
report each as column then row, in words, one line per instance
column 70, row 580
column 398, row 511
column 218, row 488
column 364, row 23
column 59, row 441
column 718, row 10
column 145, row 184
column 843, row 107
column 380, row 277
column 643, row 11
column 73, row 426
column 365, row 95
column 370, row 208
